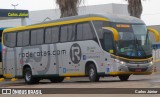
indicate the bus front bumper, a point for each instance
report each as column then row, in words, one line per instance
column 137, row 69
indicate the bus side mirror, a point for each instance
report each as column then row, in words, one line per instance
column 111, row 51
column 156, row 34
column 114, row 31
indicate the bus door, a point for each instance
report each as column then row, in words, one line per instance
column 108, row 47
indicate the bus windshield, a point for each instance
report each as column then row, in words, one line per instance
column 134, row 42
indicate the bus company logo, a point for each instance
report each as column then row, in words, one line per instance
column 21, row 91
column 6, row 91
column 75, row 53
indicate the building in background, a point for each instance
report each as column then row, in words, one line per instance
column 51, row 14
column 11, row 15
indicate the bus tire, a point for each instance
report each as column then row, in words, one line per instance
column 29, row 79
column 124, row 77
column 57, row 79
column 92, row 73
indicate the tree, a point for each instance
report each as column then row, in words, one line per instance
column 135, row 8
column 68, row 7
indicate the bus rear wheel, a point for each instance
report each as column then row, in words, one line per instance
column 57, row 79
column 92, row 73
column 124, row 77
column 29, row 79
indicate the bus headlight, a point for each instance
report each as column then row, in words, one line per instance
column 151, row 62
column 122, row 62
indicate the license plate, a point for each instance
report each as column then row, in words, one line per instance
column 138, row 70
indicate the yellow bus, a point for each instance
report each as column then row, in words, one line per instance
column 93, row 45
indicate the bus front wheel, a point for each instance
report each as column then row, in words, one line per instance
column 124, row 77
column 92, row 73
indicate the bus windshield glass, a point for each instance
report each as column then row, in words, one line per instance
column 134, row 41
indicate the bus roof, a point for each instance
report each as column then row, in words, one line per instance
column 109, row 17
column 81, row 18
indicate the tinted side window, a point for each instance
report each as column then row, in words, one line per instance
column 33, row 37
column 23, row 38
column 37, row 37
column 87, row 31
column 52, row 35
column 98, row 26
column 80, row 32
column 48, row 35
column 10, row 39
column 108, row 41
column 40, row 36
column 6, row 39
column 64, row 34
column 71, row 33
column 19, row 38
column 84, row 31
column 55, row 34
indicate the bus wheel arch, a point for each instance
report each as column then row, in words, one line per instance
column 27, row 74
column 91, row 71
column 24, row 67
